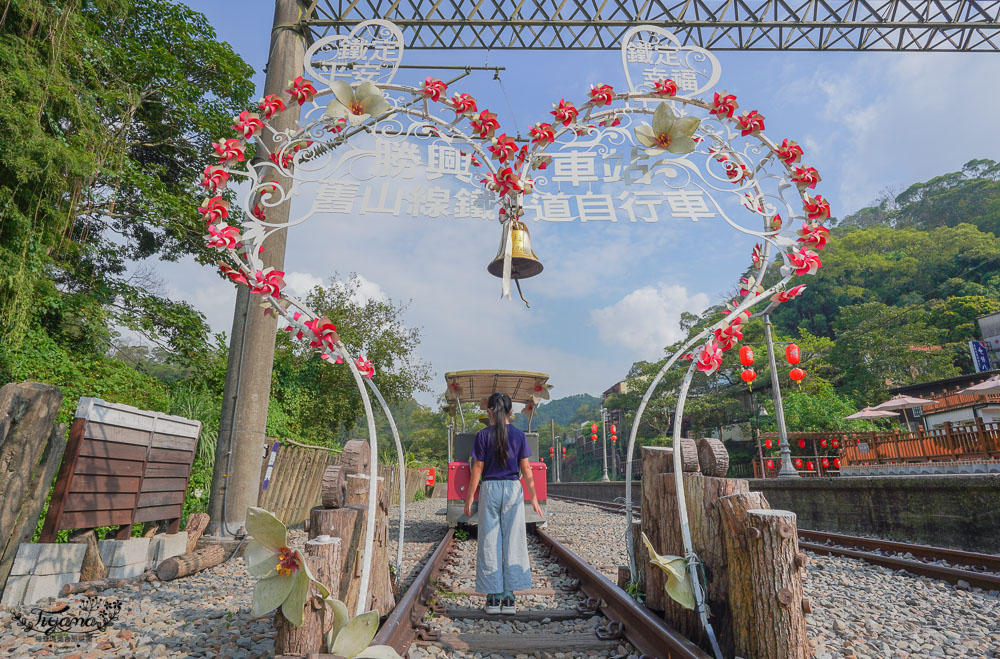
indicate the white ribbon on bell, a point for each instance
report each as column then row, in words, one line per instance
column 508, row 251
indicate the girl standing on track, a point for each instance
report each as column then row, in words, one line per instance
column 499, row 456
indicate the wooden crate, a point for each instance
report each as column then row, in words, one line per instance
column 122, row 465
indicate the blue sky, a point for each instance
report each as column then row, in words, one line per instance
column 613, row 293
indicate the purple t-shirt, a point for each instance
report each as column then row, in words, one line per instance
column 517, row 448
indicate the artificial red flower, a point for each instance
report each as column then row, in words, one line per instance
column 232, row 273
column 736, row 171
column 665, row 87
column 601, row 95
column 504, row 182
column 785, row 296
column 817, row 208
column 301, row 90
column 565, row 112
column 485, row 125
column 336, row 125
column 223, row 236
column 710, row 358
column 214, row 178
column 806, row 177
column 726, row 337
column 790, row 152
column 324, row 331
column 723, row 104
column 814, row 235
column 248, row 124
column 776, row 223
column 365, row 367
column 214, row 209
column 751, row 122
column 611, row 121
column 433, row 88
column 268, row 282
column 463, row 104
column 756, row 254
column 229, row 150
column 805, row 261
column 503, row 147
column 271, row 104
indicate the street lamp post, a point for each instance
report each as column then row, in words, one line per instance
column 787, row 469
column 604, row 436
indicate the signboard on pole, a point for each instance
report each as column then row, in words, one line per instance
column 980, row 356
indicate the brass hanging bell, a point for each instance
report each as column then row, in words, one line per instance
column 523, row 262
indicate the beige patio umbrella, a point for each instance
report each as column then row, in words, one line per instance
column 902, row 402
column 991, row 386
column 871, row 413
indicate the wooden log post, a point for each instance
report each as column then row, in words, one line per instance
column 185, row 564
column 196, row 525
column 713, row 458
column 334, row 486
column 381, row 596
column 356, row 458
column 93, row 567
column 765, row 579
column 323, row 556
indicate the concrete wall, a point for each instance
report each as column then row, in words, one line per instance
column 956, row 511
column 961, row 512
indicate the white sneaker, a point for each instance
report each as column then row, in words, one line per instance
column 507, row 605
column 492, row 605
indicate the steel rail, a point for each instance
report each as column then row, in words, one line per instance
column 399, row 629
column 954, row 575
column 646, row 632
column 987, row 561
column 846, row 542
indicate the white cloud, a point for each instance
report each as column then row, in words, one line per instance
column 300, row 283
column 648, row 318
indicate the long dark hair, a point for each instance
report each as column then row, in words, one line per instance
column 499, row 404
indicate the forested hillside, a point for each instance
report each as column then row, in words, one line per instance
column 895, row 303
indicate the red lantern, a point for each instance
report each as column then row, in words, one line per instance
column 613, row 428
column 614, row 438
column 798, row 463
column 564, row 451
column 810, row 466
column 770, row 464
column 748, row 375
column 792, row 354
column 593, row 427
column 836, row 463
column 822, row 443
column 826, row 463
column 746, row 356
column 802, row 443
column 835, row 443
column 594, row 437
column 768, row 443
column 552, row 451
column 796, row 374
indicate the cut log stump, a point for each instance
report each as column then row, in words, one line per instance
column 713, row 457
column 196, row 525
column 765, row 582
column 323, row 557
column 356, row 458
column 195, row 561
column 334, row 486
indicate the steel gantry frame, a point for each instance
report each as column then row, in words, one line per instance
column 844, row 25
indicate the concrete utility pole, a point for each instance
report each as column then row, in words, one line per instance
column 238, row 454
column 787, row 469
column 604, row 436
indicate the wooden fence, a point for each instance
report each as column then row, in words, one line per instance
column 292, row 479
column 122, row 466
column 950, row 443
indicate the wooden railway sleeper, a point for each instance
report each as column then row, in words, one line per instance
column 612, row 631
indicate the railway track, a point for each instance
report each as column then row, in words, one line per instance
column 572, row 609
column 952, row 565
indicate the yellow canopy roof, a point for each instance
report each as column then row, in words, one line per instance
column 522, row 386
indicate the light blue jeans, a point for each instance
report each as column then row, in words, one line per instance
column 502, row 560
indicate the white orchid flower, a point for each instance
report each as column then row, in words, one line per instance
column 356, row 104
column 284, row 575
column 668, row 132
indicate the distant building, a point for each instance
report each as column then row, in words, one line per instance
column 951, row 406
column 616, row 388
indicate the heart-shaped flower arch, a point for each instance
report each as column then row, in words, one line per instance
column 690, row 142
